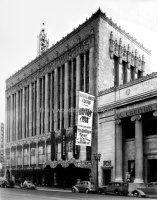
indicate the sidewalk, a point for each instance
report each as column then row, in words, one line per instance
column 54, row 189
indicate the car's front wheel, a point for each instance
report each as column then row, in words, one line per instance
column 99, row 191
column 73, row 190
column 117, row 192
column 87, row 191
column 135, row 193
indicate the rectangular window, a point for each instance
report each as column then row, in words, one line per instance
column 116, row 71
column 132, row 73
column 70, row 81
column 82, row 72
column 124, row 72
column 87, row 71
column 131, row 168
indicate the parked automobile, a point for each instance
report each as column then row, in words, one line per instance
column 28, row 185
column 6, row 184
column 84, row 186
column 151, row 188
column 117, row 188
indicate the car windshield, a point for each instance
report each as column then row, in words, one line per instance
column 29, row 182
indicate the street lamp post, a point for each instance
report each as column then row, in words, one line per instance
column 97, row 158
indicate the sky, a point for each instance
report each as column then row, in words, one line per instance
column 21, row 22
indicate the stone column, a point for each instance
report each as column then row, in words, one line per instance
column 45, row 150
column 51, row 102
column 46, row 103
column 16, row 156
column 56, row 99
column 138, row 149
column 29, row 155
column 42, row 106
column 37, row 156
column 23, row 114
column 38, row 108
column 17, row 115
column 22, row 156
column 66, row 97
column 30, row 110
column 119, row 152
column 11, row 119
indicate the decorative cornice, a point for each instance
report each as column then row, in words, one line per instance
column 75, row 50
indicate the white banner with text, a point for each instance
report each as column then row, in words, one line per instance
column 85, row 118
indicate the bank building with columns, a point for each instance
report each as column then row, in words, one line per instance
column 100, row 59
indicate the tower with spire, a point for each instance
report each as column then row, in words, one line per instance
column 43, row 42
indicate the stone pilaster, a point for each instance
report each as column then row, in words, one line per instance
column 37, row 156
column 30, row 110
column 46, row 103
column 17, row 115
column 66, row 97
column 38, row 108
column 119, row 152
column 11, row 119
column 56, row 99
column 16, row 156
column 29, row 155
column 92, row 75
column 51, row 102
column 138, row 149
column 23, row 114
column 77, row 84
column 22, row 156
column 42, row 106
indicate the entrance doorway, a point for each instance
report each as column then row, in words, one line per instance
column 106, row 176
column 152, row 170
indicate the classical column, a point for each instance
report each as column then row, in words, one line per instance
column 56, row 99
column 37, row 152
column 120, row 66
column 45, row 150
column 138, row 149
column 22, row 156
column 23, row 114
column 16, row 156
column 119, row 152
column 66, row 97
column 30, row 110
column 46, row 103
column 38, row 108
column 29, row 155
column 128, row 64
column 51, row 102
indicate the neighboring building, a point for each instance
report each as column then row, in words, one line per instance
column 40, row 139
column 1, row 149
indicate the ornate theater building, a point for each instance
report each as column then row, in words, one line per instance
column 100, row 59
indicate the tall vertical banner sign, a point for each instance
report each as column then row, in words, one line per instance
column 85, row 118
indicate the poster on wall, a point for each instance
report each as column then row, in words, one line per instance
column 85, row 118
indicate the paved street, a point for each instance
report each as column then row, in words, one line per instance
column 23, row 194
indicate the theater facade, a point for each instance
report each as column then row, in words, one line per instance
column 97, row 58
column 128, row 114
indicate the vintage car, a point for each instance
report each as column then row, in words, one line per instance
column 28, row 185
column 117, row 188
column 6, row 184
column 150, row 189
column 84, row 186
